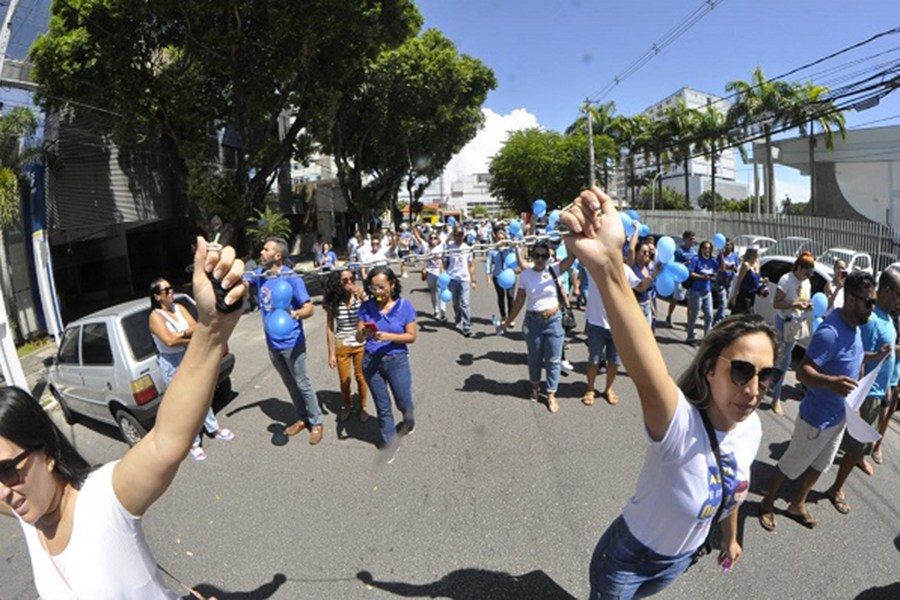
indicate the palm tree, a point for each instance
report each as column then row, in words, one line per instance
column 681, row 126
column 632, row 135
column 603, row 123
column 760, row 106
column 710, row 124
column 811, row 107
column 658, row 141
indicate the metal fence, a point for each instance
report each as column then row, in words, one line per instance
column 880, row 241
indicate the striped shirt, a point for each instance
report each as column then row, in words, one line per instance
column 346, row 321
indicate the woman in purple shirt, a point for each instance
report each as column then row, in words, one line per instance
column 387, row 324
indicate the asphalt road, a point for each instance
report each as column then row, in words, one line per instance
column 493, row 497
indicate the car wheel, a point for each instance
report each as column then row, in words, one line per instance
column 131, row 429
column 70, row 417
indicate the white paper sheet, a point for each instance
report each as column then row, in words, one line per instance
column 856, row 426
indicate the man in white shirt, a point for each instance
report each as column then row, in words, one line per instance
column 461, row 269
column 353, row 246
column 600, row 341
column 374, row 255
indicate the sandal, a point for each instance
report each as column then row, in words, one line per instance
column 588, row 399
column 198, row 453
column 535, row 394
column 840, row 504
column 612, row 397
column 552, row 404
column 803, row 518
column 767, row 518
column 225, row 434
column 878, row 457
column 363, row 416
column 777, row 408
column 345, row 414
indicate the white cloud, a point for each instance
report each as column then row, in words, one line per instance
column 797, row 189
column 475, row 156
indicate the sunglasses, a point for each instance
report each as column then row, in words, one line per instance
column 540, row 256
column 742, row 372
column 9, row 469
column 869, row 302
column 165, row 290
column 346, row 280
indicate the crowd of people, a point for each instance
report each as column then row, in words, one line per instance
column 703, row 432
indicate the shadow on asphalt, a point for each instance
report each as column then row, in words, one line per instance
column 476, row 584
column 279, row 411
column 888, row 592
column 352, row 427
column 518, row 390
column 266, row 590
column 466, row 359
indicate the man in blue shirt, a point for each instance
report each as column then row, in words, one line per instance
column 288, row 352
column 685, row 254
column 877, row 335
column 829, row 371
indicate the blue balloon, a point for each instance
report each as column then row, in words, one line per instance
column 470, row 239
column 665, row 285
column 446, row 296
column 282, row 293
column 645, row 230
column 443, row 281
column 816, row 322
column 507, row 279
column 549, row 227
column 554, row 217
column 665, row 249
column 633, row 214
column 451, row 221
column 820, row 304
column 540, row 207
column 627, row 223
column 677, row 271
column 519, row 234
column 510, row 262
column 719, row 241
column 279, row 323
column 515, row 227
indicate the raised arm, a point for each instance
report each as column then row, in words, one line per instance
column 147, row 470
column 597, row 241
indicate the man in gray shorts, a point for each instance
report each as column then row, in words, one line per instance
column 829, row 371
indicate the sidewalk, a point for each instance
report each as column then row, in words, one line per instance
column 35, row 367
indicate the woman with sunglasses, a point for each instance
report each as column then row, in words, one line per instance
column 792, row 303
column 433, row 269
column 538, row 293
column 703, row 433
column 387, row 325
column 341, row 299
column 44, row 481
column 703, row 270
column 171, row 327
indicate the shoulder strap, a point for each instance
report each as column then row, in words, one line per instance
column 714, row 442
column 559, row 293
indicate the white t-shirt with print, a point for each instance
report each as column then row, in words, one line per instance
column 375, row 259
column 793, row 290
column 595, row 312
column 679, row 489
column 435, row 264
column 540, row 291
column 107, row 557
column 458, row 264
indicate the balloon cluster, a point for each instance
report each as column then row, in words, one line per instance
column 629, row 218
column 819, row 306
column 507, row 277
column 673, row 272
column 280, row 323
column 443, row 282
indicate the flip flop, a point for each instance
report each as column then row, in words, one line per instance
column 767, row 520
column 805, row 519
column 878, row 458
column 225, row 434
column 840, row 504
column 612, row 398
column 198, row 453
column 552, row 405
column 588, row 399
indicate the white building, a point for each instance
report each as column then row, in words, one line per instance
column 463, row 195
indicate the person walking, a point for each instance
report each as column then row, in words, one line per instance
column 889, row 405
column 829, row 371
column 702, row 271
column 834, row 289
column 538, row 292
column 685, row 254
column 342, row 300
column 793, row 301
column 387, row 325
column 460, row 266
column 729, row 262
column 749, row 284
column 496, row 263
column 45, row 483
column 288, row 352
column 644, row 271
column 703, row 432
column 171, row 327
column 433, row 269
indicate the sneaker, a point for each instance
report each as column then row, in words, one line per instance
column 403, row 430
column 467, row 334
column 566, row 365
column 406, row 276
column 442, row 318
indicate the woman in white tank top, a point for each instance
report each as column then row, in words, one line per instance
column 171, row 326
column 82, row 528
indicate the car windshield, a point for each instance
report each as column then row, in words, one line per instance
column 829, row 257
column 794, row 246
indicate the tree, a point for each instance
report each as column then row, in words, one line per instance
column 632, row 135
column 178, row 71
column 668, row 199
column 710, row 127
column 681, row 127
column 760, row 106
column 479, row 212
column 657, row 143
column 408, row 113
column 604, row 128
column 269, row 223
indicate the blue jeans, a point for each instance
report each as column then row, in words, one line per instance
column 783, row 361
column 544, row 339
column 291, row 365
column 623, row 568
column 647, row 309
column 391, row 370
column 696, row 301
column 722, row 292
column 168, row 364
column 461, row 313
column 438, row 306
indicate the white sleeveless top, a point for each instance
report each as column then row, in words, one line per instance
column 175, row 322
column 107, row 557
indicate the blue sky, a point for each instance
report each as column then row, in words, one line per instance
column 549, row 55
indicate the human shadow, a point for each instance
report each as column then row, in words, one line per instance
column 280, row 412
column 266, row 590
column 352, row 427
column 466, row 359
column 479, row 383
column 476, row 584
column 888, row 592
column 760, row 476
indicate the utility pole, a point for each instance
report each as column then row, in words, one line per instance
column 6, row 31
column 590, row 121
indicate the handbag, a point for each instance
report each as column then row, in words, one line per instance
column 706, row 547
column 568, row 315
column 796, row 329
column 424, row 275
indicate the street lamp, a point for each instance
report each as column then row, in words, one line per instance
column 653, row 191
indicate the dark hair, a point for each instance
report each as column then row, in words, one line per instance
column 25, row 423
column 693, row 381
column 687, row 234
column 281, row 247
column 706, row 243
column 333, row 292
column 155, row 287
column 541, row 244
column 391, row 277
column 859, row 282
